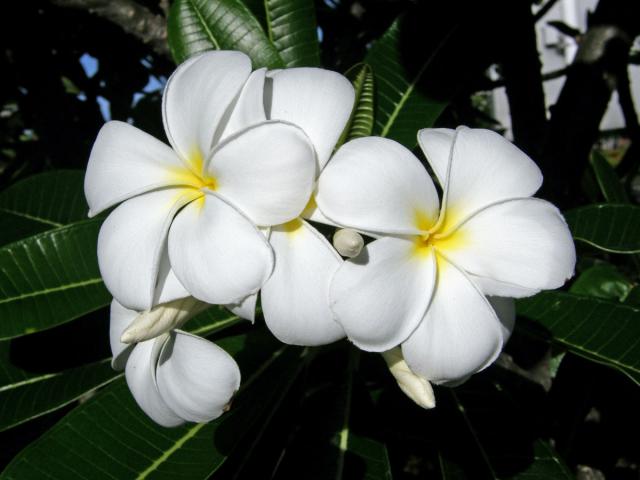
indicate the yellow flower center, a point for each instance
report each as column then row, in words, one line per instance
column 438, row 235
column 194, row 175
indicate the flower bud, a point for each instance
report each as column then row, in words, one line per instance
column 347, row 242
column 414, row 386
column 162, row 319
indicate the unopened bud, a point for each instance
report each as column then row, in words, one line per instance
column 414, row 386
column 348, row 242
column 162, row 319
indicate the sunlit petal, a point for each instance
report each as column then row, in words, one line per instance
column 380, row 296
column 141, row 378
column 125, row 162
column 195, row 377
column 266, row 170
column 217, row 253
column 131, row 241
column 460, row 333
column 375, row 184
column 295, row 299
column 318, row 101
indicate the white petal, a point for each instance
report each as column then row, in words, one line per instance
column 196, row 378
column 524, row 242
column 318, row 101
column 217, row 253
column 197, row 98
column 505, row 309
column 490, row 286
column 460, row 333
column 141, row 378
column 486, row 168
column 168, row 287
column 249, row 107
column 436, row 144
column 131, row 241
column 125, row 162
column 267, row 171
column 380, row 296
column 246, row 308
column 119, row 319
column 376, row 184
column 295, row 300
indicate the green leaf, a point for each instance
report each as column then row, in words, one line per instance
column 292, row 28
column 195, row 26
column 49, row 279
column 109, row 437
column 401, row 107
column 25, row 395
column 608, row 180
column 41, row 202
column 599, row 330
column 546, row 465
column 602, row 281
column 360, row 123
column 609, row 227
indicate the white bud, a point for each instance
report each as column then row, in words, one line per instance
column 348, row 242
column 414, row 386
column 161, row 319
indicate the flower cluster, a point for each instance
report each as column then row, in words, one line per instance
column 225, row 211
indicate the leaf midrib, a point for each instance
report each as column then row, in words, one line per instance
column 47, row 291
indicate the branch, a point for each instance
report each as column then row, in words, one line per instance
column 134, row 19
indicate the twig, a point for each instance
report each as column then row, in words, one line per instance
column 134, row 19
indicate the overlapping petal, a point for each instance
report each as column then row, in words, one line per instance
column 380, row 296
column 377, row 185
column 168, row 287
column 318, row 101
column 485, row 168
column 125, row 162
column 245, row 308
column 524, row 242
column 217, row 253
column 266, row 170
column 197, row 100
column 295, row 299
column 140, row 373
column 460, row 333
column 249, row 107
column 196, row 378
column 131, row 242
column 120, row 318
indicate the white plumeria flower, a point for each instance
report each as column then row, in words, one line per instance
column 176, row 377
column 422, row 283
column 190, row 217
column 294, row 299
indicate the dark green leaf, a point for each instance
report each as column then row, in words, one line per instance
column 401, row 109
column 24, row 395
column 603, row 281
column 41, row 202
column 109, row 437
column 609, row 227
column 633, row 297
column 600, row 330
column 292, row 28
column 546, row 465
column 195, row 26
column 360, row 123
column 608, row 180
column 50, row 279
